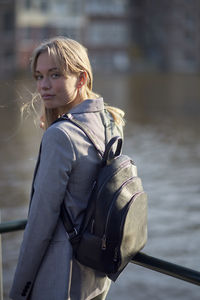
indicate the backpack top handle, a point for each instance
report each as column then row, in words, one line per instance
column 109, row 154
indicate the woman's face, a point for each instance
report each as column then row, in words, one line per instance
column 56, row 90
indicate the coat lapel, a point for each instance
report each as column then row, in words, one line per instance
column 34, row 175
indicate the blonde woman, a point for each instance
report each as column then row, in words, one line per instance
column 65, row 171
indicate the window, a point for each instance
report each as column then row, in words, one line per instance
column 8, row 54
column 8, row 21
column 44, row 5
column 28, row 4
column 109, row 33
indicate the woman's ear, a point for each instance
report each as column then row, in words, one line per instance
column 82, row 79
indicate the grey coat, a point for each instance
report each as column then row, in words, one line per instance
column 65, row 170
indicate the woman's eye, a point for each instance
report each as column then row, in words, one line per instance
column 55, row 75
column 38, row 77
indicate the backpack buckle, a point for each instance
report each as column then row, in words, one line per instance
column 72, row 234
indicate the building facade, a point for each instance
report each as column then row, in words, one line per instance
column 107, row 34
column 167, row 33
column 121, row 35
column 102, row 26
column 41, row 19
column 7, row 37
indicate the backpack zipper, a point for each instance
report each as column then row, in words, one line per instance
column 125, row 213
column 115, row 258
column 109, row 177
column 92, row 226
column 103, row 244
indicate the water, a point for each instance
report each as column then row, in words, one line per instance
column 162, row 137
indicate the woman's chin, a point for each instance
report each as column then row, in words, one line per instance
column 50, row 105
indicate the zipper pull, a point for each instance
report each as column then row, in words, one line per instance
column 115, row 259
column 92, row 226
column 103, row 244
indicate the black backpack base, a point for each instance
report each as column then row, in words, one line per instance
column 129, row 240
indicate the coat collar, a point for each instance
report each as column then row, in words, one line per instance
column 89, row 105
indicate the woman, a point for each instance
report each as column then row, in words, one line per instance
column 65, row 171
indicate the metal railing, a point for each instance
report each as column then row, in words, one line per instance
column 140, row 258
column 1, row 269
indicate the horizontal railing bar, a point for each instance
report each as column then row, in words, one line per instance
column 12, row 226
column 167, row 268
column 140, row 258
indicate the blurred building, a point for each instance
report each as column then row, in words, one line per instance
column 41, row 19
column 120, row 35
column 102, row 26
column 107, row 34
column 7, row 37
column 167, row 33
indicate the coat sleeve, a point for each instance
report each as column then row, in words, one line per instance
column 56, row 161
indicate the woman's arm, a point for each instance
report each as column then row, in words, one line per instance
column 56, row 161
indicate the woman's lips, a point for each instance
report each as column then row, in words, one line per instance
column 47, row 96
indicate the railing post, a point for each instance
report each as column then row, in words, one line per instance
column 1, row 268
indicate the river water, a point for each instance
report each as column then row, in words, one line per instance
column 162, row 136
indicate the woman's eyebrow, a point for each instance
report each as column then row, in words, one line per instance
column 50, row 70
column 53, row 69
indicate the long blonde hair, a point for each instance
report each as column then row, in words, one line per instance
column 70, row 56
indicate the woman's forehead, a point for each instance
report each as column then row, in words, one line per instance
column 46, row 61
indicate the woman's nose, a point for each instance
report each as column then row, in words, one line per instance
column 45, row 84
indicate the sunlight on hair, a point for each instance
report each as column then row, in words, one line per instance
column 69, row 55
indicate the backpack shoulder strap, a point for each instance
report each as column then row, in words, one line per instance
column 106, row 124
column 110, row 141
column 67, row 222
column 69, row 227
column 85, row 129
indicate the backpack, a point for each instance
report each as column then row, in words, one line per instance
column 114, row 227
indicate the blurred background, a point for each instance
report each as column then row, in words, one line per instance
column 146, row 60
